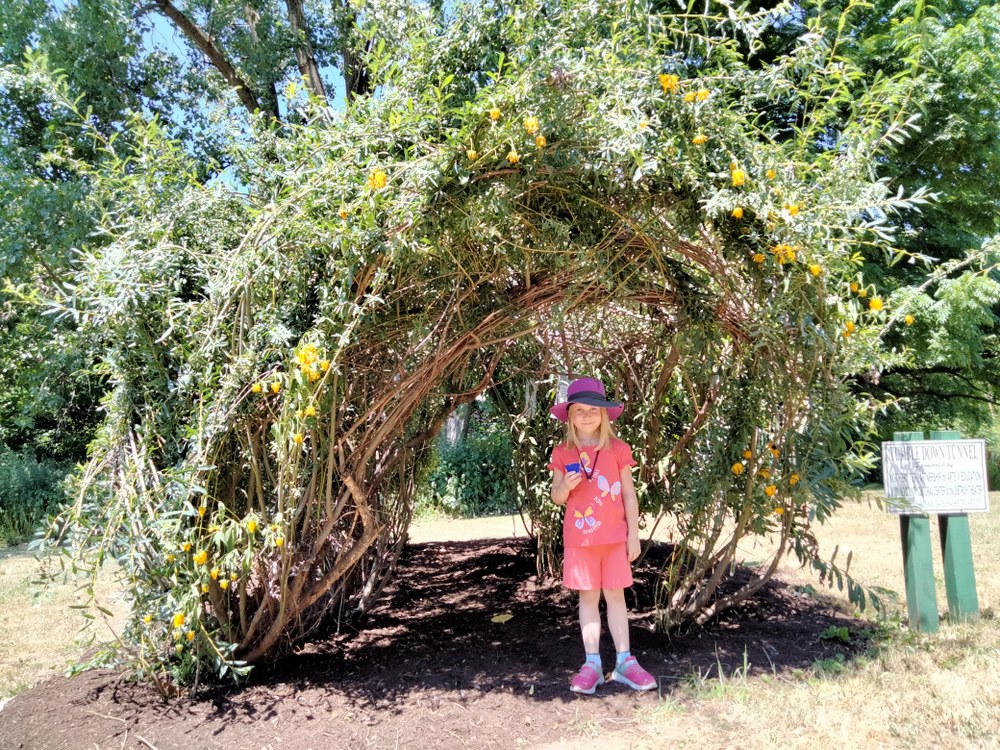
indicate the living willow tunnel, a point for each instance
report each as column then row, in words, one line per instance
column 282, row 355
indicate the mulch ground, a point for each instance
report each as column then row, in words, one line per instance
column 429, row 668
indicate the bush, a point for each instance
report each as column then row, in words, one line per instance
column 29, row 490
column 473, row 477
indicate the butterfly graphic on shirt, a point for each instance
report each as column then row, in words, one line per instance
column 614, row 489
column 585, row 518
column 585, row 459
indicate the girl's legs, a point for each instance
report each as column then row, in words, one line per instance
column 591, row 674
column 590, row 620
column 617, row 618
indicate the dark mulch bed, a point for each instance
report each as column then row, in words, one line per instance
column 430, row 670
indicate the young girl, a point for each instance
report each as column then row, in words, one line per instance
column 592, row 477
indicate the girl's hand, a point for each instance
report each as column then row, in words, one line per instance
column 572, row 479
column 634, row 547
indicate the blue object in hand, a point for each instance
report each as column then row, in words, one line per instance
column 572, row 467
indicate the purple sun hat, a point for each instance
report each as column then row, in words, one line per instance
column 586, row 391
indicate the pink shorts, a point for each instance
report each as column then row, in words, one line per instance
column 599, row 566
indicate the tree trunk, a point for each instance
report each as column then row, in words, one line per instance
column 304, row 49
column 204, row 42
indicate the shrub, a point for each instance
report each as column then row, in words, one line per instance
column 474, row 477
column 29, row 491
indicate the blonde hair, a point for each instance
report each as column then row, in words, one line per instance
column 607, row 432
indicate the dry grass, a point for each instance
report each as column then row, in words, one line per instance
column 40, row 634
column 915, row 691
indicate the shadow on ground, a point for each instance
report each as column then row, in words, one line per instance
column 430, row 669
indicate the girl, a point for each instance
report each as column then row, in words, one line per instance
column 592, row 477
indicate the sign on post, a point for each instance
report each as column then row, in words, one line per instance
column 946, row 476
column 935, row 476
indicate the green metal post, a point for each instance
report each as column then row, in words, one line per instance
column 918, row 562
column 956, row 549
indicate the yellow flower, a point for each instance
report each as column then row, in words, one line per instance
column 703, row 94
column 765, row 473
column 793, row 479
column 495, row 114
column 179, row 620
column 275, row 386
column 200, row 557
column 147, row 619
column 770, row 490
column 298, row 438
column 862, row 292
column 738, row 177
column 343, row 214
column 700, row 140
column 279, row 542
column 689, row 96
column 737, row 212
column 759, row 257
column 779, row 511
column 186, row 546
column 377, row 179
column 793, row 210
column 669, row 82
column 324, row 365
column 855, row 286
column 815, row 269
column 252, row 525
column 908, row 320
column 737, row 468
column 306, row 355
column 848, row 328
column 256, row 388
column 233, row 577
column 223, row 584
column 643, row 124
column 202, row 510
column 472, row 154
column 513, row 157
column 875, row 304
column 540, row 142
column 299, row 414
column 215, row 574
column 189, row 635
column 771, row 174
column 747, row 454
column 310, row 411
column 170, row 558
column 204, row 588
column 531, row 125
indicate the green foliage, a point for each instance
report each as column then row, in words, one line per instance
column 532, row 190
column 835, row 633
column 30, row 490
column 472, row 477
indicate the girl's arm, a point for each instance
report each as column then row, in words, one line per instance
column 631, row 503
column 562, row 484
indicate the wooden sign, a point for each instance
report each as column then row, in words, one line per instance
column 935, row 476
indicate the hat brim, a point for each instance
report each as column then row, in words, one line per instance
column 561, row 411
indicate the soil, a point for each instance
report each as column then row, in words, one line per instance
column 430, row 668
